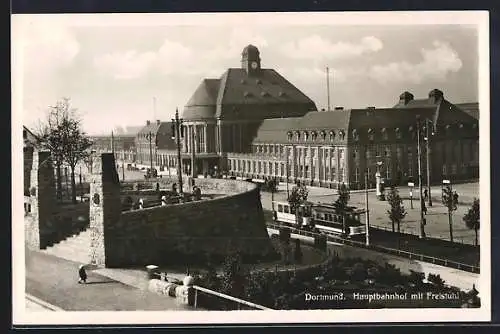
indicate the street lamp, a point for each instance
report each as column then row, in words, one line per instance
column 411, row 185
column 427, row 138
column 149, row 136
column 422, row 203
column 367, row 214
column 177, row 133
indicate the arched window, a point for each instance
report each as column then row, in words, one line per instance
column 332, row 135
column 314, row 135
column 355, row 135
column 297, row 135
column 306, row 135
column 323, row 134
column 398, row 133
column 289, row 135
column 342, row 134
column 371, row 134
column 385, row 135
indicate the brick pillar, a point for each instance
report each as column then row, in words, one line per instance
column 105, row 208
column 43, row 201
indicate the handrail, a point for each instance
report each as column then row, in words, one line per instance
column 227, row 297
column 399, row 252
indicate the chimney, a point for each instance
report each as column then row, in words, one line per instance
column 435, row 96
column 158, row 122
column 148, row 122
column 405, row 97
column 339, row 108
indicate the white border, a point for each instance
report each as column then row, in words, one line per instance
column 479, row 18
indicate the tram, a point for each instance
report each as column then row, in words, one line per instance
column 322, row 217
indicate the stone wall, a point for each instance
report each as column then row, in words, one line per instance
column 42, row 196
column 105, row 207
column 192, row 232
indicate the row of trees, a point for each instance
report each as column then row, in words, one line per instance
column 61, row 133
column 397, row 212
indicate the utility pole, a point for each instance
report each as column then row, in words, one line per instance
column 328, row 87
column 428, row 134
column 177, row 132
column 150, row 137
column 367, row 213
column 420, row 186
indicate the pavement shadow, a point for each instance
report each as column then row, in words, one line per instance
column 101, row 282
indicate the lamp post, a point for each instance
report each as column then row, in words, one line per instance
column 149, row 137
column 367, row 213
column 422, row 203
column 427, row 139
column 177, row 133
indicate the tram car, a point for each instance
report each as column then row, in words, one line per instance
column 321, row 217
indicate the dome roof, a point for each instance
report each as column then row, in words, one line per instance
column 202, row 103
column 250, row 51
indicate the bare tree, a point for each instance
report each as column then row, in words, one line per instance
column 63, row 136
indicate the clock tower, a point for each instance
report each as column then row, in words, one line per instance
column 250, row 59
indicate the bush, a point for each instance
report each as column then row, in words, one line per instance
column 416, row 277
column 436, row 280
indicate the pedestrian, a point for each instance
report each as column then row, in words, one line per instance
column 426, row 194
column 424, row 208
column 163, row 200
column 82, row 274
column 141, row 204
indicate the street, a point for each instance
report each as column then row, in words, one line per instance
column 437, row 216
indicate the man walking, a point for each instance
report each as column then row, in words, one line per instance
column 82, row 274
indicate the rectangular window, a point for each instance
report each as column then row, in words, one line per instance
column 341, row 174
column 282, row 170
column 260, row 167
column 356, row 175
column 286, row 209
column 333, row 174
column 265, row 168
column 280, row 208
column 307, row 172
column 270, row 168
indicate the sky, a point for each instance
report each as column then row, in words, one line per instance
column 123, row 74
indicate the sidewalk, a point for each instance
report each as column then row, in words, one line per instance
column 55, row 281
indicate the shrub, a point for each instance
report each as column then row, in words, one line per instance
column 436, row 280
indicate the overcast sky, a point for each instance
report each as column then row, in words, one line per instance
column 112, row 73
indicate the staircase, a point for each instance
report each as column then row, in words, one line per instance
column 75, row 248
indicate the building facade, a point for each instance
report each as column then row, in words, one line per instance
column 329, row 148
column 223, row 115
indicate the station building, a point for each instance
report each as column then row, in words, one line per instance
column 328, row 148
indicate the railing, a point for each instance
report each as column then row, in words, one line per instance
column 199, row 291
column 240, row 303
column 457, row 240
column 392, row 251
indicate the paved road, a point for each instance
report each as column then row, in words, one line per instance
column 55, row 281
column 437, row 217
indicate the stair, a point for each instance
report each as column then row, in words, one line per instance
column 75, row 248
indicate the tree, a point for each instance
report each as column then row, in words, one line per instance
column 397, row 211
column 63, row 136
column 297, row 197
column 471, row 218
column 233, row 278
column 341, row 203
column 450, row 200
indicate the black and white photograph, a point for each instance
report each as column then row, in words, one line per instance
column 229, row 168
